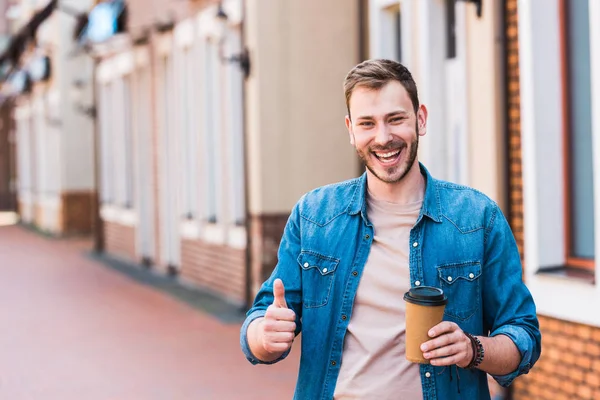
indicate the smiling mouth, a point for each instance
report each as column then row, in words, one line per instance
column 387, row 157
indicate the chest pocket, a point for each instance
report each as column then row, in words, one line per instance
column 461, row 283
column 318, row 272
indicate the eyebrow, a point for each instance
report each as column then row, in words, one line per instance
column 386, row 116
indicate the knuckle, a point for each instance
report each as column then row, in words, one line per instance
column 269, row 325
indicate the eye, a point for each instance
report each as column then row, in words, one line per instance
column 365, row 124
column 396, row 120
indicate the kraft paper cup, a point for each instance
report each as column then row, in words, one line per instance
column 424, row 309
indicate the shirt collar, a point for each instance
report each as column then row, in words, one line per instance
column 432, row 207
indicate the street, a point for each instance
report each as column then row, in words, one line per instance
column 72, row 328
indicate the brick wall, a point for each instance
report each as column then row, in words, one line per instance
column 220, row 268
column 77, row 212
column 569, row 367
column 513, row 107
column 266, row 232
column 119, row 240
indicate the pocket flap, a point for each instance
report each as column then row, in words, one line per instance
column 324, row 264
column 451, row 273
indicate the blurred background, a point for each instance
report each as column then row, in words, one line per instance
column 169, row 140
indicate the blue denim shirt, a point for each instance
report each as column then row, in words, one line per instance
column 461, row 243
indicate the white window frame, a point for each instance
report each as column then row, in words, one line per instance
column 186, row 56
column 110, row 80
column 541, row 127
column 234, row 82
column 382, row 43
column 222, row 99
column 128, row 142
column 143, row 128
column 24, row 166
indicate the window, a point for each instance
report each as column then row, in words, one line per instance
column 212, row 114
column 127, row 138
column 577, row 134
column 391, row 30
column 106, row 129
column 235, row 133
column 189, row 134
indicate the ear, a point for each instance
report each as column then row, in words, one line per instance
column 350, row 129
column 422, row 120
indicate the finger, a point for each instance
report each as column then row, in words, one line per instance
column 280, row 337
column 441, row 328
column 445, row 351
column 276, row 347
column 280, row 314
column 285, row 326
column 271, row 325
column 438, row 342
column 279, row 294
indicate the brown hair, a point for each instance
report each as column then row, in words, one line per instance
column 374, row 74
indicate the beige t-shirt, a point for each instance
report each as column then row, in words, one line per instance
column 373, row 363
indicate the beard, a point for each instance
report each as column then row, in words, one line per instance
column 397, row 172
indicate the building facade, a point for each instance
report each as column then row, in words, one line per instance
column 554, row 97
column 198, row 124
column 201, row 157
column 54, row 141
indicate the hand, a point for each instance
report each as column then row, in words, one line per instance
column 278, row 325
column 450, row 346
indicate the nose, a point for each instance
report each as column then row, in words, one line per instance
column 382, row 135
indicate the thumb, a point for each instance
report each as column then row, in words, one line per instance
column 279, row 294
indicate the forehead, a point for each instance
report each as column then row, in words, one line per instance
column 390, row 97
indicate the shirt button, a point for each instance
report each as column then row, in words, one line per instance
column 471, row 275
column 333, row 363
column 324, row 270
column 305, row 265
column 418, row 283
column 427, row 375
column 367, row 236
column 415, row 244
column 344, row 318
column 449, row 279
column 354, row 273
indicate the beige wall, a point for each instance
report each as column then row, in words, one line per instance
column 485, row 69
column 144, row 13
column 301, row 51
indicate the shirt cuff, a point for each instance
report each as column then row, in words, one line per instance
column 244, row 340
column 524, row 343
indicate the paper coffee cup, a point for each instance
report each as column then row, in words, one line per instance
column 424, row 309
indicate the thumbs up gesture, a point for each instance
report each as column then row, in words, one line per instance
column 279, row 324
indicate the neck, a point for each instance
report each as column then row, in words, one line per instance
column 409, row 190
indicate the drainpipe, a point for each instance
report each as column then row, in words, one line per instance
column 97, row 223
column 247, row 223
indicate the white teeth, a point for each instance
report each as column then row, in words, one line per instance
column 386, row 155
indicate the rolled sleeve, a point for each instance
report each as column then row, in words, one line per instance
column 524, row 343
column 509, row 308
column 288, row 271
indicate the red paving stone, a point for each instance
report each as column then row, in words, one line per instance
column 70, row 328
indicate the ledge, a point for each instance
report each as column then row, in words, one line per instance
column 569, row 273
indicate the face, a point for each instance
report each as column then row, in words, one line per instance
column 385, row 130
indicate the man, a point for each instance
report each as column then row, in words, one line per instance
column 351, row 250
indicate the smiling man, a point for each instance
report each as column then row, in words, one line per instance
column 351, row 250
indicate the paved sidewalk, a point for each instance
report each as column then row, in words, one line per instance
column 71, row 328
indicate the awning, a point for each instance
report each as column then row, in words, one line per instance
column 103, row 22
column 19, row 41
